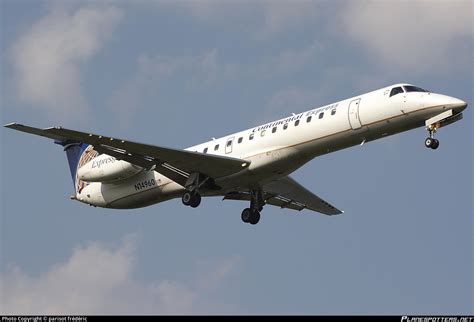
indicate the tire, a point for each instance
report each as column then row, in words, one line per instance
column 435, row 144
column 255, row 218
column 246, row 215
column 429, row 142
column 196, row 200
column 187, row 198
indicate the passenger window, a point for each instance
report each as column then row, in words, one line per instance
column 251, row 136
column 333, row 112
column 285, row 126
column 308, row 119
column 216, row 147
column 240, row 139
column 297, row 122
column 205, row 150
column 229, row 143
column 321, row 115
column 274, row 129
column 262, row 133
column 395, row 91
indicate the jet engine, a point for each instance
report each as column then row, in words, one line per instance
column 105, row 168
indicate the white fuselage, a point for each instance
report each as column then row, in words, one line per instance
column 278, row 148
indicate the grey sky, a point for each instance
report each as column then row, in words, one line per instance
column 179, row 73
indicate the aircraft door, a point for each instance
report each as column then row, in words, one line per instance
column 228, row 145
column 354, row 118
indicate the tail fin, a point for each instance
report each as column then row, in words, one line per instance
column 78, row 154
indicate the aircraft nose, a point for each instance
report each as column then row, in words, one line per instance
column 457, row 104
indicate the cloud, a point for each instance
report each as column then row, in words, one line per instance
column 207, row 10
column 47, row 58
column 204, row 69
column 154, row 72
column 266, row 17
column 412, row 36
column 290, row 60
column 208, row 70
column 98, row 279
column 283, row 15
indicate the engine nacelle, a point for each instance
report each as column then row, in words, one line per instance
column 105, row 168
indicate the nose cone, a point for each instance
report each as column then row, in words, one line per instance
column 447, row 102
column 457, row 105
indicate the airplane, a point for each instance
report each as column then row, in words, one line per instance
column 252, row 165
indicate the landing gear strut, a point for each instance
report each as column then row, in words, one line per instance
column 431, row 142
column 252, row 215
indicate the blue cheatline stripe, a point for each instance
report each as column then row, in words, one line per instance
column 74, row 151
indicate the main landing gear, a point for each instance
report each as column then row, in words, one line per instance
column 431, row 142
column 252, row 215
column 191, row 196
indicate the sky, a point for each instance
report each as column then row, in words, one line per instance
column 176, row 73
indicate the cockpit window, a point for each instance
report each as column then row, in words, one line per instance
column 414, row 89
column 395, row 91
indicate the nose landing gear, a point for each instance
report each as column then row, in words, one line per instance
column 431, row 142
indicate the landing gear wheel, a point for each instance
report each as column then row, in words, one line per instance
column 196, row 200
column 192, row 199
column 187, row 198
column 255, row 218
column 432, row 143
column 252, row 215
column 429, row 142
column 246, row 215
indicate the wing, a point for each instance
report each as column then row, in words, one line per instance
column 173, row 163
column 287, row 193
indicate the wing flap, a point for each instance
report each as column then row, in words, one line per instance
column 287, row 193
column 277, row 201
column 290, row 194
column 283, row 202
column 270, row 199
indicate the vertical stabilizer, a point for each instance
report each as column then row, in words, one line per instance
column 78, row 154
